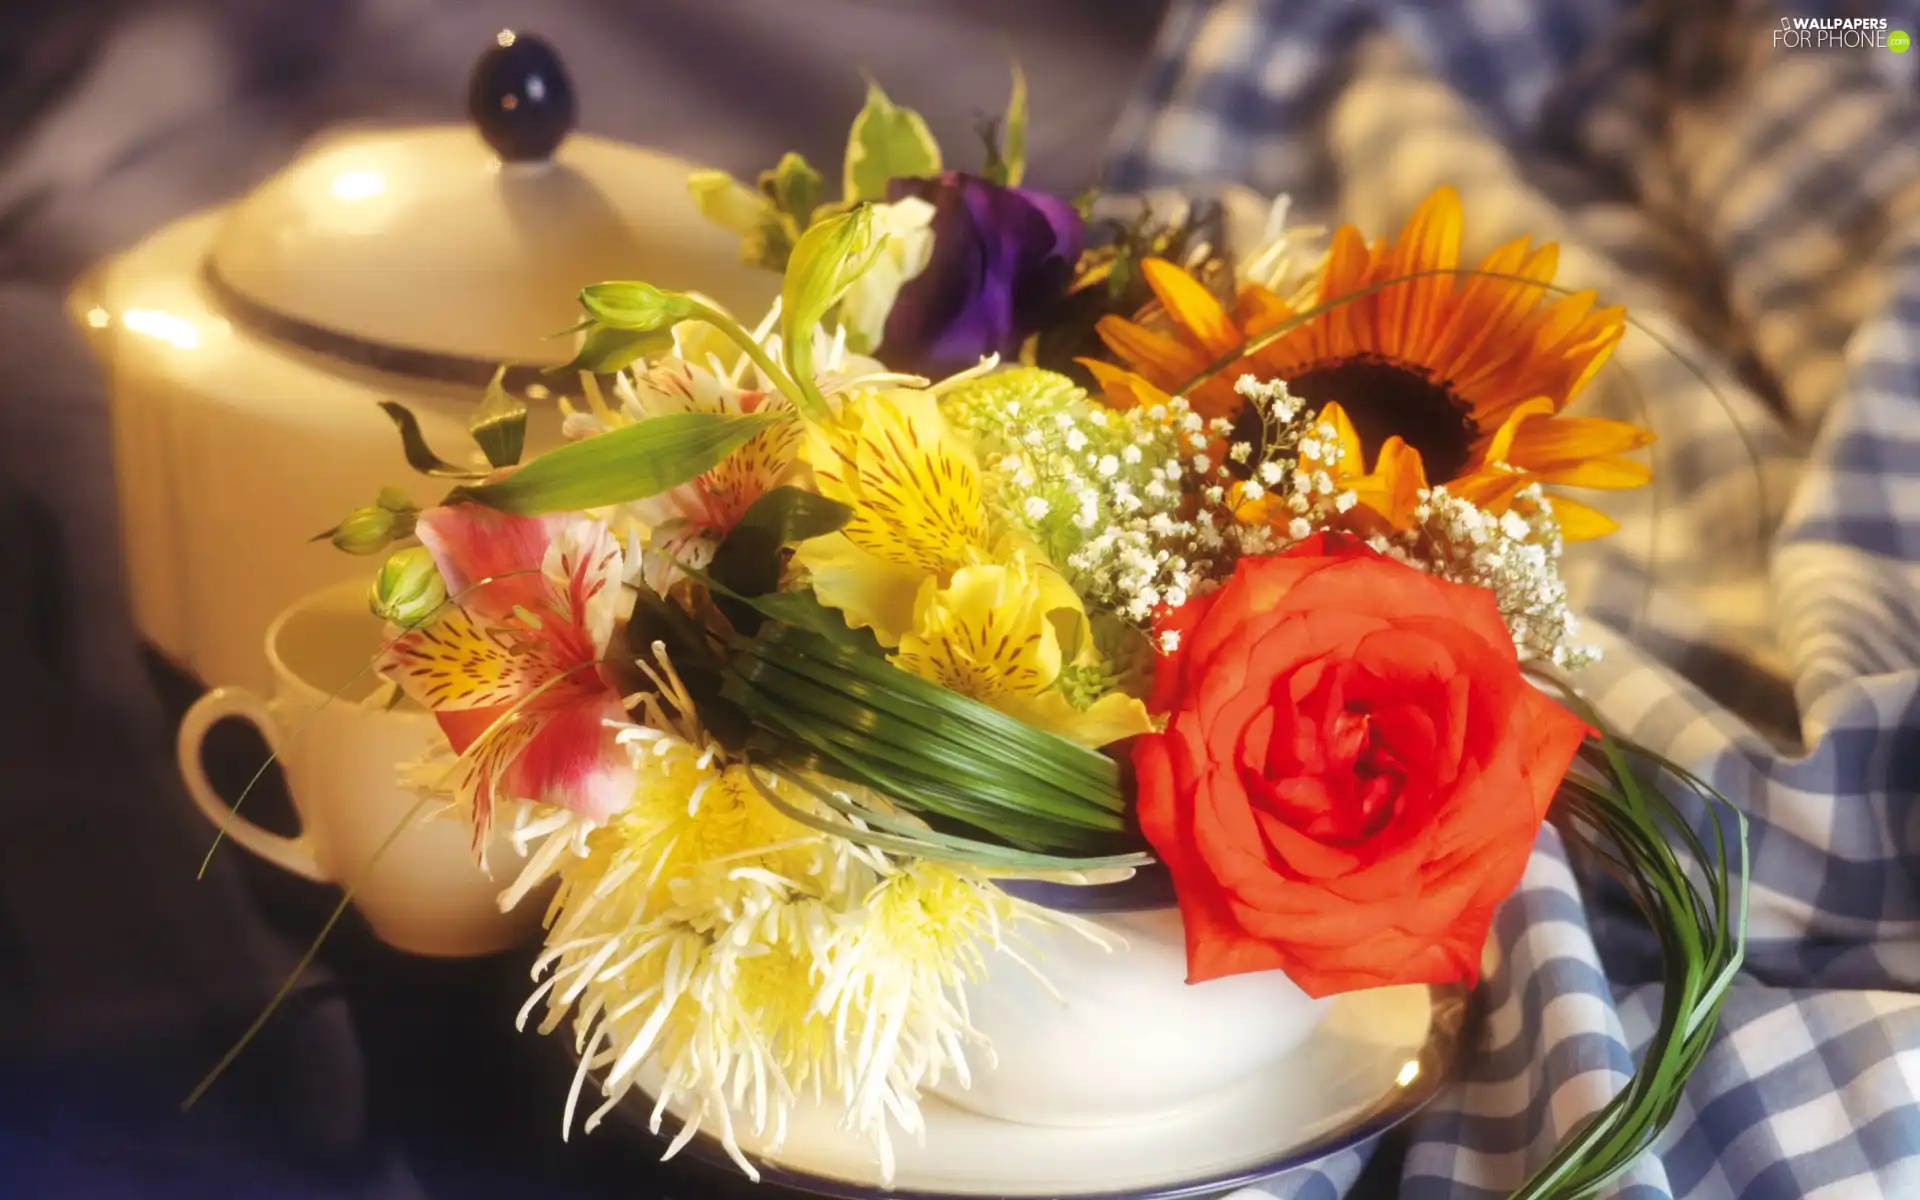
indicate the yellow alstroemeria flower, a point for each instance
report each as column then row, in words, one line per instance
column 994, row 634
column 918, row 513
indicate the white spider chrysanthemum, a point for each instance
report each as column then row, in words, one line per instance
column 1285, row 259
column 739, row 961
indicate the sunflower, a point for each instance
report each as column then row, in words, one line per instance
column 1436, row 380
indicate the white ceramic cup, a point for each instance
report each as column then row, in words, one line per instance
column 425, row 894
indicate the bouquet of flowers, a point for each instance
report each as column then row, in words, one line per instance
column 1014, row 544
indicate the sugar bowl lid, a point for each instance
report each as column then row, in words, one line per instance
column 449, row 250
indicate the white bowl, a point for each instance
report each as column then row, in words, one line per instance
column 1127, row 1040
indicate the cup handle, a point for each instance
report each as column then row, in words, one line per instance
column 293, row 854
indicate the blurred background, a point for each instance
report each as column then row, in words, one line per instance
column 122, row 977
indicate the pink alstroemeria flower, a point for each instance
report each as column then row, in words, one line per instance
column 687, row 523
column 513, row 671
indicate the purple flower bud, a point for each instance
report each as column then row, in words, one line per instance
column 1001, row 257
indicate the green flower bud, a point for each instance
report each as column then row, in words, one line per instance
column 408, row 588
column 366, row 531
column 394, row 500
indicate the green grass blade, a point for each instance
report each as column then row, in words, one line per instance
column 1697, row 911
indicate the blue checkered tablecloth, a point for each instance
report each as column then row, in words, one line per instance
column 1759, row 207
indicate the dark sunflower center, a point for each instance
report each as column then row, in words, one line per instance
column 1384, row 398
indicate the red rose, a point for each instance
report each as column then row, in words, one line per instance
column 1351, row 774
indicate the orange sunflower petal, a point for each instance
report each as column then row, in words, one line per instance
column 1491, row 315
column 1544, row 445
column 1347, row 459
column 1121, row 388
column 1500, row 446
column 1604, row 474
column 1192, row 307
column 1166, row 361
column 1343, row 329
column 1491, row 488
column 1412, row 313
column 1403, row 476
column 1600, row 347
column 1560, row 319
column 1578, row 523
column 1260, row 311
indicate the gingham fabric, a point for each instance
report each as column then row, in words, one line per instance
column 1758, row 207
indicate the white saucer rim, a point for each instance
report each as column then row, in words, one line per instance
column 1454, row 1016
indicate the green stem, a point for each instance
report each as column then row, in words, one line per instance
column 306, row 959
column 806, row 400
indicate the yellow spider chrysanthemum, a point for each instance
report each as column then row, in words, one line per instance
column 928, row 929
column 1451, row 378
column 733, row 961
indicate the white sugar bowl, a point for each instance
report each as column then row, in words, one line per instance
column 248, row 347
column 1115, row 1035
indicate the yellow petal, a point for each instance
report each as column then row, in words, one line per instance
column 986, row 635
column 1114, row 716
column 1600, row 346
column 455, row 663
column 913, row 486
column 1192, row 306
column 1578, row 523
column 1562, row 317
column 870, row 592
column 1063, row 608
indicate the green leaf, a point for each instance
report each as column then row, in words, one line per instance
column 826, row 262
column 747, row 561
column 630, row 463
column 413, row 443
column 767, row 247
column 499, row 424
column 604, row 351
column 930, row 750
column 800, row 608
column 727, row 202
column 886, row 142
column 766, row 231
column 1007, row 151
column 637, row 306
column 793, row 187
column 803, row 610
column 1013, row 148
column 893, row 835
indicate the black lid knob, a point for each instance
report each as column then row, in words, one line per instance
column 521, row 98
